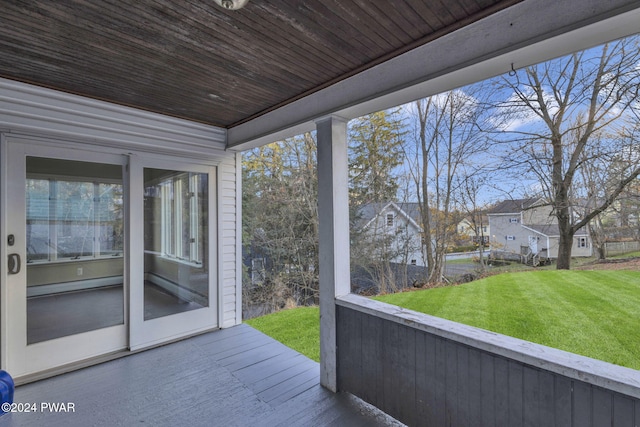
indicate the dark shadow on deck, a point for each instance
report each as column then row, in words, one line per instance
column 233, row 377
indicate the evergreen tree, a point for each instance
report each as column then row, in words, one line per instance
column 375, row 151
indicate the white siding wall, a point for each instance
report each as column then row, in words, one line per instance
column 34, row 111
column 231, row 312
column 541, row 215
column 502, row 227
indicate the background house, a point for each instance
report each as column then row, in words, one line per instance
column 393, row 231
column 476, row 232
column 528, row 226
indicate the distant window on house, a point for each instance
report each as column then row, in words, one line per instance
column 514, row 220
column 414, row 262
column 511, row 237
column 484, row 228
column 390, row 220
column 582, row 242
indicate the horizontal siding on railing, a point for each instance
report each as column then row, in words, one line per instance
column 423, row 379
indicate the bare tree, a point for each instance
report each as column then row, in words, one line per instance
column 449, row 135
column 600, row 175
column 474, row 208
column 574, row 100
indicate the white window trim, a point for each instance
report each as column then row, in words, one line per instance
column 172, row 201
column 53, row 256
column 390, row 220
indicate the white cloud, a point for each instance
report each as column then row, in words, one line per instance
column 517, row 115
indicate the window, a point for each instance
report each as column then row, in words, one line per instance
column 582, row 242
column 510, row 237
column 414, row 262
column 257, row 270
column 390, row 220
column 73, row 218
column 179, row 199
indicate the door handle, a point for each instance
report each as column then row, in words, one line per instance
column 14, row 263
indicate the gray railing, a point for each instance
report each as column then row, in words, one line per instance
column 428, row 371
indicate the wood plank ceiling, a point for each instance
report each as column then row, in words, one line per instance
column 195, row 60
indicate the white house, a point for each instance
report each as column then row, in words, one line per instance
column 394, row 228
column 475, row 231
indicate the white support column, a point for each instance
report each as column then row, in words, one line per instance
column 333, row 214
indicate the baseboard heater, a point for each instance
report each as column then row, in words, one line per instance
column 77, row 285
column 176, row 289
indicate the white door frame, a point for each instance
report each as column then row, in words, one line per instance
column 17, row 357
column 147, row 333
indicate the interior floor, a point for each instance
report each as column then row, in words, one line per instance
column 59, row 315
column 160, row 303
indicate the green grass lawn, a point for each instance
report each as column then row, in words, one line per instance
column 298, row 328
column 625, row 256
column 593, row 313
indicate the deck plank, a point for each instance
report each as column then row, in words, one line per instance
column 233, row 377
column 272, row 381
column 291, row 387
column 268, row 367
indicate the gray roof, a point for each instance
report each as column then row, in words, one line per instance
column 413, row 210
column 552, row 230
column 368, row 211
column 514, row 206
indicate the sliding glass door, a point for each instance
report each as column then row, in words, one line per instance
column 177, row 238
column 105, row 253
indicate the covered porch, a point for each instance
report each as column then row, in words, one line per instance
column 310, row 66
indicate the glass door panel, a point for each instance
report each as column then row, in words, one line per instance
column 176, row 270
column 173, row 289
column 74, row 238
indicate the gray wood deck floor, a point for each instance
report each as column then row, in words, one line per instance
column 233, row 377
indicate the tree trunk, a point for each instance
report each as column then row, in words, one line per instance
column 564, row 252
column 481, row 254
column 566, row 240
column 563, row 213
column 436, row 274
